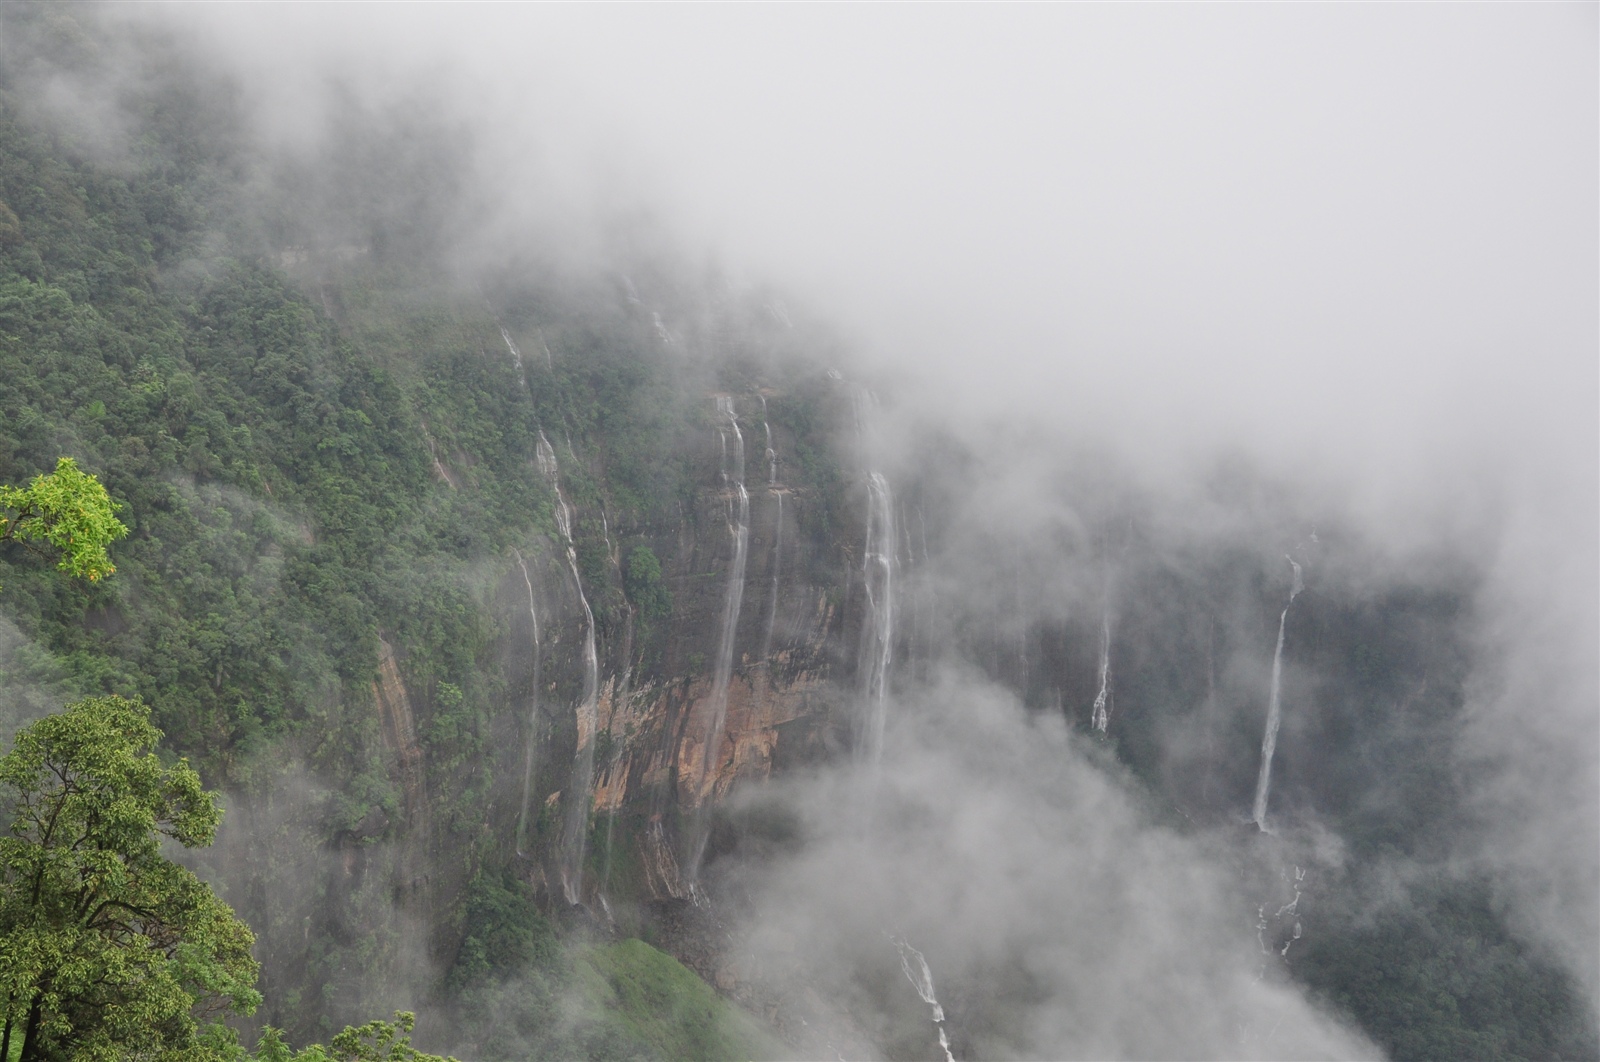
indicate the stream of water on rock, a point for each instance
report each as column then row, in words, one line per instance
column 532, row 738
column 738, row 500
column 921, row 979
column 1102, row 716
column 1269, row 740
column 577, row 798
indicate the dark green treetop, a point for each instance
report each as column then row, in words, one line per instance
column 109, row 950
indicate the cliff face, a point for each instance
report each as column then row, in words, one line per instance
column 668, row 740
column 611, row 802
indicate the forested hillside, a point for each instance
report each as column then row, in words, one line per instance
column 486, row 590
column 320, row 451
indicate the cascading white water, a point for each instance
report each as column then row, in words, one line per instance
column 877, row 630
column 549, row 359
column 516, row 356
column 874, row 655
column 577, row 801
column 533, row 716
column 772, row 455
column 772, row 591
column 733, row 596
column 1269, row 740
column 738, row 499
column 433, row 452
column 777, row 533
column 921, row 979
column 1292, row 909
column 605, row 533
column 1277, row 924
column 1102, row 717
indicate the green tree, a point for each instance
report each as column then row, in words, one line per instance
column 643, row 583
column 68, row 509
column 376, row 1041
column 108, row 950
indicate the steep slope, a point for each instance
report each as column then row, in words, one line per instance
column 488, row 591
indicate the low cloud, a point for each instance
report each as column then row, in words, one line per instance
column 1058, row 917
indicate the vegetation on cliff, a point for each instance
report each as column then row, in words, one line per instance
column 327, row 443
column 317, row 448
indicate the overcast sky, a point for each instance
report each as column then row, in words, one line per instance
column 1360, row 233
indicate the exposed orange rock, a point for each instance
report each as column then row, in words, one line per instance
column 400, row 733
column 756, row 709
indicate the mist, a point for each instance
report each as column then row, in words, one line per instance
column 1040, row 894
column 1093, row 261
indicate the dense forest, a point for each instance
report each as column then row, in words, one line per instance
column 359, row 475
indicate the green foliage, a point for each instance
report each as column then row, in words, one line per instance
column 504, row 932
column 380, row 1041
column 108, row 947
column 657, row 1002
column 643, row 584
column 69, row 510
column 1440, row 977
column 376, row 1041
column 522, row 994
column 310, row 460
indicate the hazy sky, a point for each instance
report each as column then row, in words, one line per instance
column 1360, row 233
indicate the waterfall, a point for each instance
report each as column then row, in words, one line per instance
column 516, row 356
column 1285, row 925
column 732, row 599
column 772, row 455
column 549, row 359
column 1269, row 740
column 1101, row 716
column 921, row 979
column 877, row 569
column 1292, row 909
column 877, row 630
column 777, row 533
column 575, row 834
column 772, row 591
column 619, row 696
column 533, row 717
column 433, row 452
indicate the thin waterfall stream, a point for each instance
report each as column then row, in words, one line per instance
column 877, row 632
column 777, row 535
column 772, row 455
column 1269, row 740
column 875, row 652
column 921, row 979
column 772, row 591
column 577, row 799
column 738, row 498
column 516, row 356
column 1101, row 716
column 533, row 715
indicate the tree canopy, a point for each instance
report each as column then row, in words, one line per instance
column 376, row 1041
column 69, row 510
column 109, row 950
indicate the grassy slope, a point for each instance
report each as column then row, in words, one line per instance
column 657, row 1001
